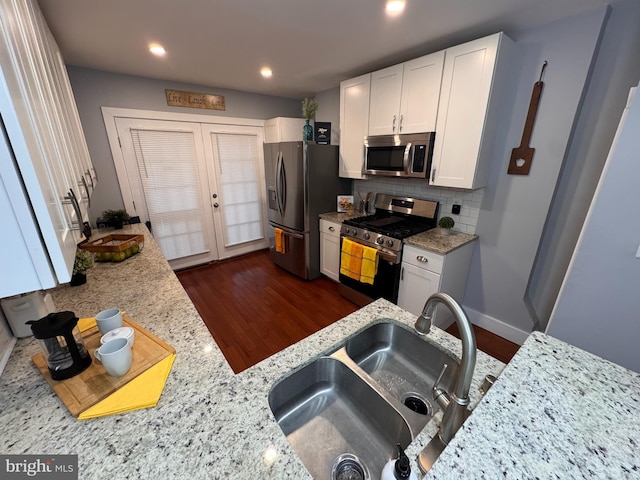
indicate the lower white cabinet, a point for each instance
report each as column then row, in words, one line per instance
column 330, row 249
column 425, row 272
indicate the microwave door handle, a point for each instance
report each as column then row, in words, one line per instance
column 408, row 150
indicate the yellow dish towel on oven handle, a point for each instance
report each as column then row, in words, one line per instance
column 351, row 259
column 369, row 265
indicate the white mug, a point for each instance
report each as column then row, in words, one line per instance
column 109, row 319
column 115, row 356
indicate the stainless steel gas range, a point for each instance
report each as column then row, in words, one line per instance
column 394, row 219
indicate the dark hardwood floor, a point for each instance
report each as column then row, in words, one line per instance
column 254, row 309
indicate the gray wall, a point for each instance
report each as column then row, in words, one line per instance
column 94, row 89
column 597, row 309
column 616, row 69
column 514, row 207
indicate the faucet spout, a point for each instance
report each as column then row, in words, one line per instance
column 456, row 411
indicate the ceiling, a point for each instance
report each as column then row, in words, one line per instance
column 310, row 45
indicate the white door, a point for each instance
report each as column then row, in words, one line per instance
column 167, row 177
column 235, row 162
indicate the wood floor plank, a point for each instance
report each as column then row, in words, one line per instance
column 254, row 309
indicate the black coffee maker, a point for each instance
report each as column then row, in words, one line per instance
column 61, row 344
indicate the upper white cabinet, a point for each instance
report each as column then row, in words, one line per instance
column 404, row 97
column 45, row 166
column 466, row 121
column 354, row 124
column 283, row 129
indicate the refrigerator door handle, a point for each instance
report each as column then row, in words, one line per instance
column 283, row 185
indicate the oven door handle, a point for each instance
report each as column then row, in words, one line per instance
column 383, row 254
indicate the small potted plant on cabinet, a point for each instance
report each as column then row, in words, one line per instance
column 446, row 224
column 309, row 109
column 82, row 263
column 115, row 218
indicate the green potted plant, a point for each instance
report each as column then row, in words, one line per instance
column 115, row 218
column 82, row 263
column 446, row 224
column 309, row 109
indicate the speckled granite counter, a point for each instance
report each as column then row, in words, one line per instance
column 434, row 241
column 209, row 423
column 430, row 240
column 555, row 412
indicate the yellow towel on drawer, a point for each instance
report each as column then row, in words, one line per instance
column 279, row 240
column 369, row 265
column 351, row 259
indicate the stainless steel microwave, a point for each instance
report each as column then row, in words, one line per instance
column 399, row 155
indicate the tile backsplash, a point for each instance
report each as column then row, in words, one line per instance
column 469, row 200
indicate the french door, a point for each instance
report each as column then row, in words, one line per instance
column 199, row 185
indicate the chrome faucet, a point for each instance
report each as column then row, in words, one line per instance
column 454, row 404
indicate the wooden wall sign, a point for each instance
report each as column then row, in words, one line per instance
column 178, row 98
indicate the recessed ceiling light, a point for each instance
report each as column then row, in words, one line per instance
column 395, row 7
column 266, row 72
column 157, row 49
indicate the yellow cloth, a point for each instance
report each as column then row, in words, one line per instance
column 369, row 265
column 142, row 392
column 279, row 240
column 351, row 259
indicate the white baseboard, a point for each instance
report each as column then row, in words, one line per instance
column 496, row 326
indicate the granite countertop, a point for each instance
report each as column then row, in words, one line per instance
column 430, row 240
column 209, row 422
column 555, row 412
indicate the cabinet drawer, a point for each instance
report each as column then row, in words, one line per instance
column 330, row 228
column 423, row 258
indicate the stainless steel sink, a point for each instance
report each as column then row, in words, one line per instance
column 406, row 365
column 372, row 392
column 326, row 410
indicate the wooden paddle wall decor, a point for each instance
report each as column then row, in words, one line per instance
column 521, row 156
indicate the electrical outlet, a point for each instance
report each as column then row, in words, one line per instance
column 455, row 209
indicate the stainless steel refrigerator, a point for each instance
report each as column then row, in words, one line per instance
column 302, row 182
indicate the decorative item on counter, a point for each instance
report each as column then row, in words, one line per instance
column 115, row 218
column 345, row 204
column 82, row 263
column 322, row 133
column 309, row 109
column 115, row 247
column 398, row 468
column 364, row 203
column 61, row 344
column 446, row 224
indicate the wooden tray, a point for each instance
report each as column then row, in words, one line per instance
column 95, row 384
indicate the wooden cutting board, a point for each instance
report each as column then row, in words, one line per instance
column 95, row 384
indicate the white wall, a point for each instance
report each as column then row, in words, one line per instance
column 598, row 306
column 94, row 89
column 514, row 207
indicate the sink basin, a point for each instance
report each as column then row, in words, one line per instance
column 326, row 410
column 404, row 364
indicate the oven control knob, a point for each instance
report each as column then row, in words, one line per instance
column 366, row 236
column 380, row 240
column 347, row 230
column 390, row 243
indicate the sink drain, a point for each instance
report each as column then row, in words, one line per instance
column 349, row 467
column 416, row 403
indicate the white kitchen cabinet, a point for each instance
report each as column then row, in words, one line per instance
column 7, row 342
column 44, row 157
column 354, row 124
column 472, row 80
column 283, row 129
column 404, row 97
column 330, row 249
column 425, row 273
